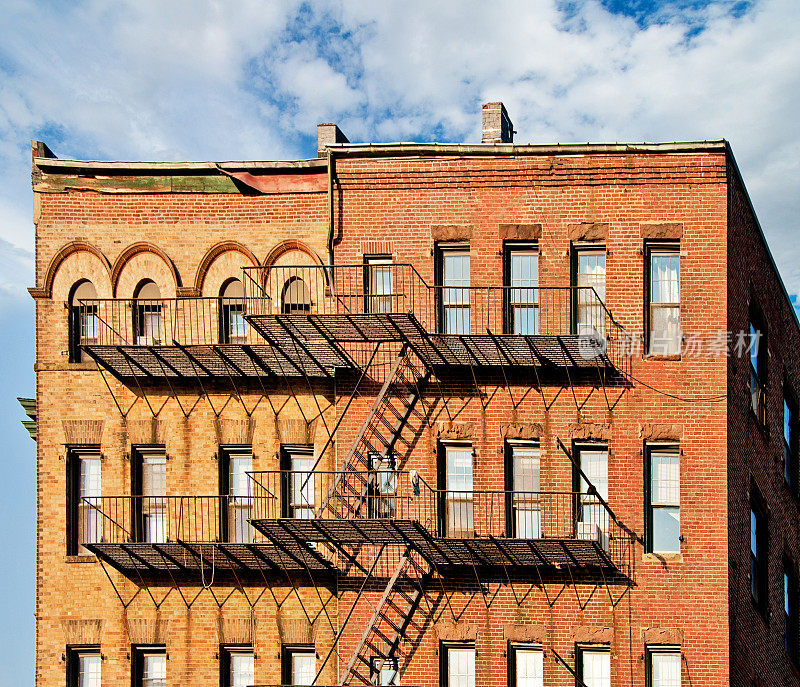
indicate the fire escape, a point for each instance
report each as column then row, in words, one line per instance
column 347, row 523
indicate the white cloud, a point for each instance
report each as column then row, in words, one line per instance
column 190, row 79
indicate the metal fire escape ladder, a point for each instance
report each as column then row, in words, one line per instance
column 379, row 434
column 390, row 620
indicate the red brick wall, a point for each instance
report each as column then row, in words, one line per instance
column 391, row 205
column 755, row 454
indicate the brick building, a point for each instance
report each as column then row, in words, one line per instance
column 414, row 414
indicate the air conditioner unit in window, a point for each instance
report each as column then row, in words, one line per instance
column 589, row 531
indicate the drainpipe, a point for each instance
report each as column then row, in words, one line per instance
column 330, row 207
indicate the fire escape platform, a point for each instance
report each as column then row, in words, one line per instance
column 136, row 558
column 296, row 331
column 217, row 360
column 440, row 551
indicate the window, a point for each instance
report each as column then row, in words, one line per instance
column 234, row 464
column 594, row 666
column 664, row 306
column 522, row 289
column 296, row 299
column 299, row 665
column 378, row 283
column 455, row 473
column 758, row 368
column 84, row 520
column 590, row 296
column 298, row 482
column 237, row 666
column 457, row 665
column 592, row 515
column 383, row 671
column 523, row 516
column 662, row 498
column 789, row 439
column 382, row 498
column 83, row 319
column 232, row 327
column 149, row 490
column 84, row 666
column 758, row 550
column 790, row 611
column 147, row 314
column 453, row 288
column 663, row 666
column 525, row 666
column 149, row 666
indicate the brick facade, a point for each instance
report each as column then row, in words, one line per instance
column 190, row 234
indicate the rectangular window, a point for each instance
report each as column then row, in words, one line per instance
column 455, row 473
column 237, row 666
column 149, row 666
column 592, row 516
column 525, row 666
column 521, row 284
column 382, row 490
column 790, row 612
column 758, row 368
column 150, row 490
column 84, row 520
column 523, row 508
column 234, row 464
column 594, row 665
column 384, row 671
column 298, row 482
column 664, row 303
column 378, row 283
column 663, row 666
column 590, row 283
column 789, row 439
column 663, row 498
column 453, row 288
column 299, row 665
column 84, row 666
column 457, row 665
column 758, row 550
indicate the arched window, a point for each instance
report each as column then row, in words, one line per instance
column 296, row 300
column 232, row 327
column 83, row 321
column 147, row 314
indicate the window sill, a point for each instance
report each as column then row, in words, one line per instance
column 659, row 356
column 81, row 559
column 672, row 557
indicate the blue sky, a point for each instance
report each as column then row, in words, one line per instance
column 205, row 79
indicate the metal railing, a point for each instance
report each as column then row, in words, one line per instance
column 159, row 519
column 456, row 310
column 163, row 321
column 387, row 495
column 440, row 308
column 459, row 514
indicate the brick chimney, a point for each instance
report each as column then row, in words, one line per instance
column 328, row 134
column 497, row 127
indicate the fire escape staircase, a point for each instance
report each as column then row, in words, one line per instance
column 391, row 621
column 379, row 436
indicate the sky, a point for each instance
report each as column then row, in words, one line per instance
column 215, row 80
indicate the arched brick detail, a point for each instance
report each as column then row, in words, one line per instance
column 285, row 247
column 289, row 245
column 214, row 253
column 72, row 247
column 135, row 249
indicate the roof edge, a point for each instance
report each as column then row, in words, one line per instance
column 371, row 149
column 64, row 166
